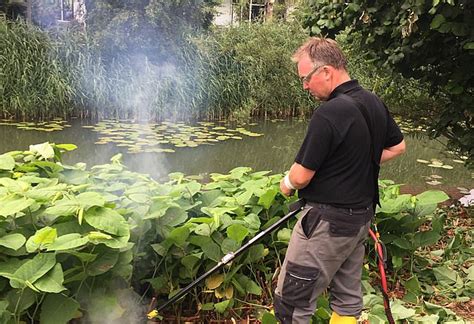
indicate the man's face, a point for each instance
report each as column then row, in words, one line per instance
column 314, row 78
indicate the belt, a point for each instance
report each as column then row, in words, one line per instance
column 358, row 214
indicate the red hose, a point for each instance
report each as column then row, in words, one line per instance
column 383, row 278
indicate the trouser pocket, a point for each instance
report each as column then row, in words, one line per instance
column 299, row 284
column 343, row 229
column 310, row 221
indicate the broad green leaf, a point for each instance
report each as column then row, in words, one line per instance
column 15, row 186
column 47, row 193
column 445, row 276
column 284, row 235
column 267, row 199
column 401, row 312
column 269, row 318
column 33, row 269
column 214, row 281
column 203, row 229
column 107, row 220
column 12, row 241
column 8, row 268
column 68, row 242
column 20, row 299
column 431, row 197
column 469, row 46
column 244, row 197
column 250, row 286
column 90, row 199
column 12, row 204
column 394, row 206
column 212, row 251
column 255, row 253
column 51, row 282
column 425, row 238
column 222, row 306
column 179, row 235
column 58, row 309
column 44, row 150
column 41, row 239
column 190, row 261
column 229, row 245
column 66, row 147
column 413, row 285
column 437, row 21
column 237, row 232
column 105, row 260
column 7, row 162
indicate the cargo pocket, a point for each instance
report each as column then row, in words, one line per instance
column 299, row 284
column 343, row 229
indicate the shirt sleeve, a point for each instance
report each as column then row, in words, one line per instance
column 317, row 144
column 393, row 136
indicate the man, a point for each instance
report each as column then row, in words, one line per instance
column 336, row 172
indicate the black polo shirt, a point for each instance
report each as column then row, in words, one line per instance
column 337, row 147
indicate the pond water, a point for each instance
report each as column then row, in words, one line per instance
column 274, row 150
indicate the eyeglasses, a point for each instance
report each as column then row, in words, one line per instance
column 308, row 76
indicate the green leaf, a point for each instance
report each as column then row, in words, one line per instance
column 41, row 239
column 229, row 245
column 58, row 309
column 237, row 232
column 179, row 235
column 413, row 285
column 33, row 269
column 269, row 318
column 250, row 286
column 255, row 253
column 222, row 306
column 13, row 241
column 244, row 197
column 431, row 197
column 21, row 300
column 44, row 150
column 446, row 276
column 105, row 261
column 469, row 46
column 52, row 282
column 7, row 162
column 212, row 251
column 437, row 21
column 66, row 147
column 68, row 242
column 401, row 312
column 107, row 220
column 190, row 261
column 12, row 204
column 425, row 238
column 284, row 235
column 266, row 200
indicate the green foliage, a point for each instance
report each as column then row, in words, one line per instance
column 70, row 235
column 428, row 40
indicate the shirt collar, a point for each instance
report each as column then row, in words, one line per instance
column 344, row 88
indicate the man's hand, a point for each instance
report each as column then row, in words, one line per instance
column 285, row 190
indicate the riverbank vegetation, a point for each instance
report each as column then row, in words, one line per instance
column 71, row 235
column 223, row 74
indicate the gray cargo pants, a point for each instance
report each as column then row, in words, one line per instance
column 326, row 250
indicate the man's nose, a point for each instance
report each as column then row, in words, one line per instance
column 305, row 86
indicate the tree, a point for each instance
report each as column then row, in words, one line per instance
column 150, row 27
column 432, row 40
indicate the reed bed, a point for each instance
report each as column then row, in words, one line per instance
column 229, row 73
